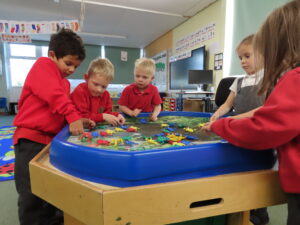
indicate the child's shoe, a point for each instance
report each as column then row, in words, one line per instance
column 259, row 216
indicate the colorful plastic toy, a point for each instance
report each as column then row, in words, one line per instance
column 143, row 121
column 103, row 142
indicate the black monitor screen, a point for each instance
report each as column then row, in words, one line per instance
column 179, row 70
column 200, row 77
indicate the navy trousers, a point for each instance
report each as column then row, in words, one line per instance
column 32, row 209
column 293, row 201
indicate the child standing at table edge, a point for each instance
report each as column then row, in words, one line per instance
column 243, row 95
column 92, row 99
column 277, row 123
column 244, row 99
column 141, row 96
column 44, row 108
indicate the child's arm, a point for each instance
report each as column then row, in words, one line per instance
column 224, row 108
column 121, row 118
column 246, row 114
column 124, row 103
column 275, row 124
column 108, row 105
column 108, row 115
column 45, row 82
column 207, row 126
column 87, row 123
column 156, row 101
column 111, row 119
column 82, row 102
column 114, row 120
column 76, row 127
column 155, row 112
column 130, row 112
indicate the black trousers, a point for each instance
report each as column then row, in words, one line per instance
column 293, row 201
column 32, row 210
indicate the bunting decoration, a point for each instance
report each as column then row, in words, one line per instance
column 36, row 27
column 15, row 38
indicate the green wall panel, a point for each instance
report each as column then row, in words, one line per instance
column 92, row 52
column 123, row 69
column 248, row 17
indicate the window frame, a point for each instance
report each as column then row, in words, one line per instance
column 9, row 56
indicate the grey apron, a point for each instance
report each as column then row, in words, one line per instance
column 246, row 98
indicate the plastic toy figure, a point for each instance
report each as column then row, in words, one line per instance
column 103, row 142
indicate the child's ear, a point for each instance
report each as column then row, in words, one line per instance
column 152, row 78
column 51, row 54
column 86, row 76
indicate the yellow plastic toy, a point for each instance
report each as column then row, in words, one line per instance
column 110, row 132
column 201, row 124
column 178, row 144
column 118, row 129
column 187, row 129
column 133, row 127
column 151, row 141
column 175, row 138
column 116, row 141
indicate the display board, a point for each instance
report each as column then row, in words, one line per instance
column 179, row 70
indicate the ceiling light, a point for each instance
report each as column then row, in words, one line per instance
column 103, row 35
column 130, row 8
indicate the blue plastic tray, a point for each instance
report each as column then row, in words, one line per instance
column 125, row 168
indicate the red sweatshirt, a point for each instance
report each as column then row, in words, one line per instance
column 275, row 125
column 92, row 107
column 133, row 98
column 45, row 105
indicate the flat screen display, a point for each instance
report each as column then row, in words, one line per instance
column 179, row 70
column 200, row 77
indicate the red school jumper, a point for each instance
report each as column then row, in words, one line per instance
column 92, row 107
column 133, row 98
column 45, row 105
column 275, row 125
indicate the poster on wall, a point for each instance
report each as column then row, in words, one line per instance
column 36, row 27
column 218, row 61
column 160, row 80
column 182, row 55
column 124, row 56
column 194, row 39
column 15, row 38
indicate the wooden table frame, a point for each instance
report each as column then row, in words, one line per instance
column 88, row 203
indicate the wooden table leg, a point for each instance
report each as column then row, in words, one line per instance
column 240, row 218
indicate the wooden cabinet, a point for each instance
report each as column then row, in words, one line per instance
column 193, row 105
column 115, row 105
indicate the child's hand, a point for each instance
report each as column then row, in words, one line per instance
column 121, row 119
column 76, row 127
column 214, row 117
column 136, row 112
column 111, row 119
column 207, row 127
column 153, row 117
column 88, row 123
column 92, row 124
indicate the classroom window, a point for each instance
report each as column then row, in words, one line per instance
column 22, row 50
column 19, row 69
column 45, row 51
column 21, row 57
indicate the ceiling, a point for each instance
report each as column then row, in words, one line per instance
column 139, row 22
